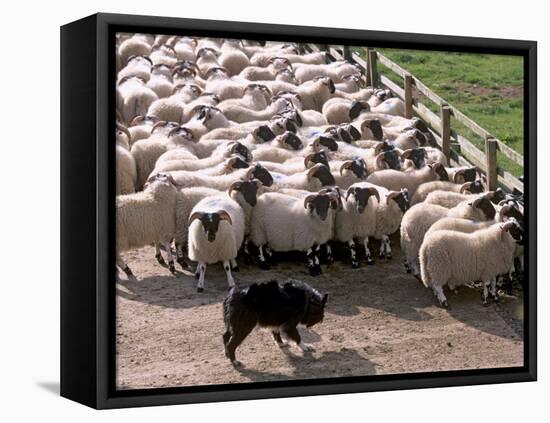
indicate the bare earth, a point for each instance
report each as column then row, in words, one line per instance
column 379, row 320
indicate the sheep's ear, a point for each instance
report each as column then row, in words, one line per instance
column 225, row 216
column 325, row 298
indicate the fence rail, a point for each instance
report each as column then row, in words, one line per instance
column 454, row 145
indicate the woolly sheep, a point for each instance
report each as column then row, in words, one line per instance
column 418, row 219
column 312, row 179
column 454, row 258
column 146, row 217
column 394, row 180
column 216, row 232
column 134, row 46
column 451, row 199
column 126, row 173
column 134, row 98
column 232, row 58
column 357, row 219
column 428, row 187
column 285, row 223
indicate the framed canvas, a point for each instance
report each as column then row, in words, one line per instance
column 343, row 172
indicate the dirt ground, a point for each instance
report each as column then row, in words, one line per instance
column 379, row 320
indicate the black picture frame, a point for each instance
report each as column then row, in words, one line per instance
column 87, row 210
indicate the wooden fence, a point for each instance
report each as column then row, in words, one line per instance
column 459, row 150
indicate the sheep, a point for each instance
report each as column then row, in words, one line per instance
column 295, row 165
column 163, row 54
column 391, row 106
column 336, row 71
column 350, row 84
column 185, row 179
column 313, row 179
column 216, row 232
column 185, row 49
column 462, row 174
column 134, row 98
column 253, row 96
column 316, row 92
column 357, row 219
column 451, row 199
column 284, row 223
column 428, row 187
column 141, row 127
column 126, row 173
column 207, row 58
column 350, row 172
column 339, row 110
column 394, row 180
column 454, row 258
column 137, row 66
column 232, row 58
column 418, row 219
column 257, row 73
column 262, row 58
column 134, row 46
column 160, row 81
column 417, row 158
column 146, row 217
column 241, row 114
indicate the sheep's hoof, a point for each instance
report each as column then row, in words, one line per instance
column 235, row 269
column 128, row 272
column 264, row 265
column 315, row 271
column 172, row 268
column 182, row 263
column 388, row 256
column 484, row 302
column 382, row 255
column 408, row 269
column 444, row 304
column 160, row 260
column 329, row 261
column 355, row 265
column 370, row 261
column 200, row 289
column 496, row 298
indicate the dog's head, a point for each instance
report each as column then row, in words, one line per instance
column 315, row 303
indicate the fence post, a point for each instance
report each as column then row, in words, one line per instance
column 373, row 68
column 368, row 81
column 491, row 162
column 407, row 87
column 445, row 112
column 347, row 53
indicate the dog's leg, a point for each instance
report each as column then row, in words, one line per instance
column 293, row 334
column 124, row 266
column 227, row 268
column 277, row 337
column 199, row 275
column 238, row 334
column 367, row 250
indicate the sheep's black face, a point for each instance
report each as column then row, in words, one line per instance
column 498, row 196
column 238, row 162
column 264, row 133
column 242, row 151
column 476, row 187
column 392, row 159
column 516, row 214
column 344, row 135
column 315, row 311
column 420, row 137
column 328, row 142
column 402, row 200
column 210, row 222
column 319, row 157
column 440, row 172
column 418, row 157
column 359, row 168
column 292, row 140
column 375, row 127
column 355, row 134
column 263, row 175
column 362, row 196
column 469, row 174
column 517, row 233
column 356, row 108
column 249, row 190
column 324, row 175
column 319, row 205
column 486, row 207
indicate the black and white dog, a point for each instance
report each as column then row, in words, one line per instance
column 271, row 305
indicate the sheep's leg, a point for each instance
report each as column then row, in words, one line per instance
column 312, row 262
column 353, row 254
column 317, row 258
column 494, row 293
column 124, row 266
column 234, row 265
column 168, row 249
column 485, row 294
column 382, row 252
column 158, row 255
column 387, row 244
column 406, row 265
column 269, row 255
column 199, row 275
column 330, row 258
column 367, row 251
column 263, row 262
column 179, row 256
column 246, row 251
column 438, row 291
column 227, row 268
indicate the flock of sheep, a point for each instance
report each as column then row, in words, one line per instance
column 231, row 147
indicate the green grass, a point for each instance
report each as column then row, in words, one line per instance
column 485, row 87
